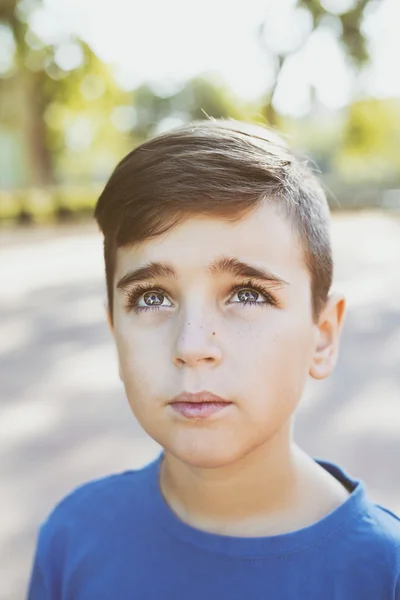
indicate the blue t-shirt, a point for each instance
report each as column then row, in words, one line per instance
column 117, row 539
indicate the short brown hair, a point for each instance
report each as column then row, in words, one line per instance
column 220, row 168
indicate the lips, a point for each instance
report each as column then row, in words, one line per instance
column 198, row 406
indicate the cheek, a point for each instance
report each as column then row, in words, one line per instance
column 139, row 361
column 277, row 366
column 141, row 380
column 279, row 341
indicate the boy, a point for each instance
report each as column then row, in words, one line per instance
column 218, row 268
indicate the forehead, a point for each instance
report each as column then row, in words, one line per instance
column 262, row 237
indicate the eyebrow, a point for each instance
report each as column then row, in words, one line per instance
column 225, row 264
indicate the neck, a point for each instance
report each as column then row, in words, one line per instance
column 262, row 486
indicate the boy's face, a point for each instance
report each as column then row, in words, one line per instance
column 200, row 334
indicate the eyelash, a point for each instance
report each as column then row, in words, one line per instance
column 134, row 295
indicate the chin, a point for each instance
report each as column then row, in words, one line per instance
column 205, row 456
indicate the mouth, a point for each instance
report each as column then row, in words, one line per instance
column 198, row 406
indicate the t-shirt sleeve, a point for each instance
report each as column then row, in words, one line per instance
column 45, row 575
column 37, row 586
column 60, row 535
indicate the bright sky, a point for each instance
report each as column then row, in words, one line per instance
column 169, row 41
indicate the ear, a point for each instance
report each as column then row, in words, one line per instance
column 329, row 327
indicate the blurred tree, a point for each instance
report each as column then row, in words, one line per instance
column 50, row 76
column 316, row 13
column 369, row 142
column 351, row 34
column 7, row 8
column 196, row 99
column 31, row 81
column 80, row 132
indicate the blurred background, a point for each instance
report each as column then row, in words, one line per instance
column 81, row 83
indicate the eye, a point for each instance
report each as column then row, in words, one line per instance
column 248, row 295
column 151, row 300
column 144, row 298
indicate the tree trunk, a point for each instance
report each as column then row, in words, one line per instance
column 39, row 156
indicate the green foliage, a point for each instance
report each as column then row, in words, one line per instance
column 370, row 141
column 63, row 87
column 197, row 99
column 74, row 122
column 47, row 205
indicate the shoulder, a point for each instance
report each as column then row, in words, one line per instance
column 85, row 522
column 386, row 525
column 378, row 524
column 388, row 528
column 93, row 507
column 114, row 486
column 371, row 532
column 381, row 529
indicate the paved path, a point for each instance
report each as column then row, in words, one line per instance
column 63, row 414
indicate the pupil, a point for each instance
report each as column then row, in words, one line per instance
column 248, row 296
column 152, row 298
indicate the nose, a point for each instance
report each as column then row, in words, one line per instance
column 197, row 343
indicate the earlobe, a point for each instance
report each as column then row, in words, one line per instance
column 328, row 335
